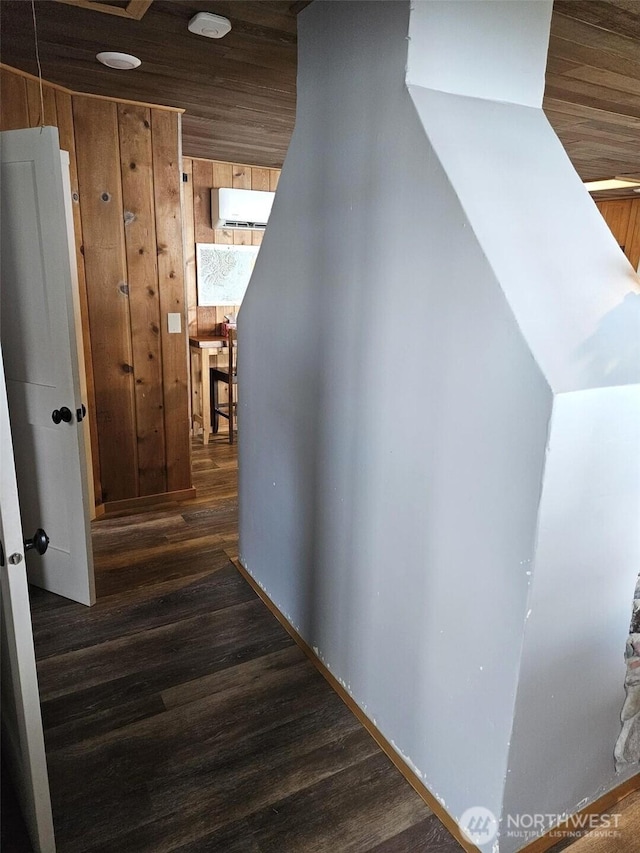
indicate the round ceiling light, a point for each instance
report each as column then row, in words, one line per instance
column 121, row 61
column 209, row 25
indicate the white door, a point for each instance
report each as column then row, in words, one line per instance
column 22, row 737
column 38, row 317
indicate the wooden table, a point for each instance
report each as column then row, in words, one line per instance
column 202, row 350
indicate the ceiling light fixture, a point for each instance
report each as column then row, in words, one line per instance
column 611, row 184
column 121, row 61
column 209, row 25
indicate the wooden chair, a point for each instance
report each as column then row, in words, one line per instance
column 229, row 376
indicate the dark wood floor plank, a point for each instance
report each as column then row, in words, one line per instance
column 247, row 779
column 427, row 836
column 88, row 709
column 67, row 725
column 125, row 534
column 237, row 838
column 222, row 797
column 167, row 655
column 116, row 560
column 351, row 811
column 157, row 606
column 222, row 521
column 156, row 569
column 233, row 678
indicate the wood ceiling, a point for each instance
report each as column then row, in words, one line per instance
column 239, row 92
column 592, row 93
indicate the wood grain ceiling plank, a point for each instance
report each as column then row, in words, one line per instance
column 587, row 111
column 250, row 153
column 620, row 83
column 228, row 129
column 588, row 151
column 629, row 149
column 264, row 57
column 559, row 121
column 591, row 169
column 578, row 32
column 629, row 5
column 560, row 64
column 597, row 97
column 228, row 74
column 593, row 57
column 608, row 16
column 612, row 195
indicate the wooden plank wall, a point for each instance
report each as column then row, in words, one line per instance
column 202, row 176
column 19, row 108
column 125, row 178
column 623, row 217
column 171, row 286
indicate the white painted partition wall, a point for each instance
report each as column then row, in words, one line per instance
column 442, row 501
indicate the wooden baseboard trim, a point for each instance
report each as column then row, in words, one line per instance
column 98, row 511
column 603, row 805
column 443, row 816
column 554, row 836
column 111, row 507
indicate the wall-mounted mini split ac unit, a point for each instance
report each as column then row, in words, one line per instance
column 248, row 209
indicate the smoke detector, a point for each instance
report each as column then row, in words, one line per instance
column 209, row 25
column 121, row 61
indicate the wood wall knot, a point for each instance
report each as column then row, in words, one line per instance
column 129, row 217
column 124, row 288
column 132, row 165
column 105, row 196
column 127, row 368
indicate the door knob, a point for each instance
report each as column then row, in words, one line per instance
column 63, row 414
column 40, row 542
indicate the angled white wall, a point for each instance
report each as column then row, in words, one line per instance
column 576, row 299
column 411, row 484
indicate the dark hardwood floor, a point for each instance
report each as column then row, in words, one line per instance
column 180, row 716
